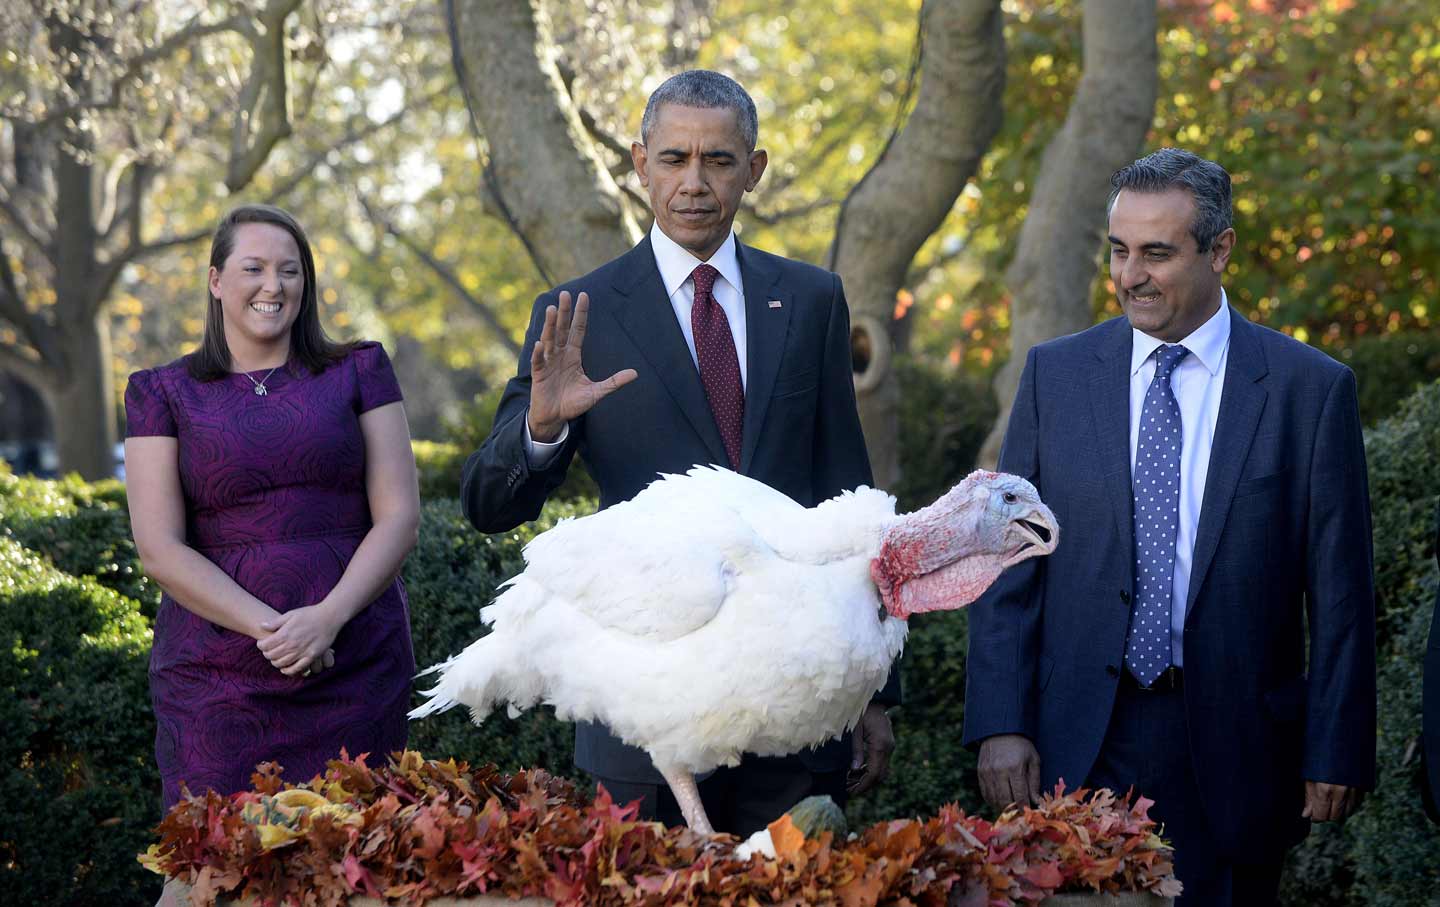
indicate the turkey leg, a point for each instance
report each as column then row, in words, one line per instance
column 682, row 785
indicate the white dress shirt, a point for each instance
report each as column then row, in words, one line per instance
column 1197, row 383
column 676, row 264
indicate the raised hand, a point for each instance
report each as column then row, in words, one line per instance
column 559, row 388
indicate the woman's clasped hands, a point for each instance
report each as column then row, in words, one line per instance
column 300, row 641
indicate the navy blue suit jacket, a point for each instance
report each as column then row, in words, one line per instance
column 1283, row 536
column 801, row 431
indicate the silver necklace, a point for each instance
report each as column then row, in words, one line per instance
column 260, row 389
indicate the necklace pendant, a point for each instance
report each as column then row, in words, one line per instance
column 260, row 390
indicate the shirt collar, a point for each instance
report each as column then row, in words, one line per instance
column 1206, row 343
column 676, row 263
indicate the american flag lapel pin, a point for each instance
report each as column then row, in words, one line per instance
column 775, row 303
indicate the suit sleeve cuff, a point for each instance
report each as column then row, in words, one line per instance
column 540, row 454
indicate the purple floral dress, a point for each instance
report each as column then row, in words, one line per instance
column 274, row 491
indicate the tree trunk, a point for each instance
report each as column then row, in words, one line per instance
column 543, row 174
column 909, row 191
column 1055, row 263
column 81, row 393
column 82, row 407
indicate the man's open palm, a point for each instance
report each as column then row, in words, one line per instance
column 559, row 389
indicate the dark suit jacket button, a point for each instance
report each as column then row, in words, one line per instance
column 1125, row 596
column 1112, row 670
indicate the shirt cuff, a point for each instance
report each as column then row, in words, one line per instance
column 539, row 454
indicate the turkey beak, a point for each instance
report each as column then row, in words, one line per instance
column 1034, row 534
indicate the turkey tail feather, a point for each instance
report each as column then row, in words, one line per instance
column 474, row 678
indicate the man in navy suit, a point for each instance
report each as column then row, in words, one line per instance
column 714, row 352
column 1430, row 751
column 1211, row 478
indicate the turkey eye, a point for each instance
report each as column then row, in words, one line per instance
column 1009, row 497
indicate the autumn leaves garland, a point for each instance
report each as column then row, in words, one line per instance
column 417, row 829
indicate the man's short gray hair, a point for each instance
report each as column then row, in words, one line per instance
column 1171, row 168
column 708, row 90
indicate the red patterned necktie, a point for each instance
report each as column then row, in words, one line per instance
column 719, row 365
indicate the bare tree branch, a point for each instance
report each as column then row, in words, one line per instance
column 30, row 325
column 542, row 171
column 187, row 34
column 918, row 272
column 141, row 176
column 12, row 305
column 307, row 92
column 28, row 368
column 23, row 226
column 783, row 214
column 265, row 96
column 110, row 190
column 814, row 161
column 448, row 276
column 689, row 27
column 641, row 201
column 139, row 181
column 598, row 133
column 352, row 136
column 110, row 271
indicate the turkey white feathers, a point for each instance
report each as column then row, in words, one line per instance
column 712, row 616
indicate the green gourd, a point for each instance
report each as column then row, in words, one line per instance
column 814, row 815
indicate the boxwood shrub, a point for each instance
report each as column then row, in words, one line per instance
column 1388, row 855
column 80, row 791
column 76, row 776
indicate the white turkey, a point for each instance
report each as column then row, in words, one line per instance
column 712, row 616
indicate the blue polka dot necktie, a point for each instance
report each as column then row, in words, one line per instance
column 718, row 361
column 1156, row 489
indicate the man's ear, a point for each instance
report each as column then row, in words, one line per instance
column 758, row 160
column 640, row 159
column 1221, row 249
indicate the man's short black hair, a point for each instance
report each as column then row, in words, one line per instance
column 707, row 90
column 1171, row 168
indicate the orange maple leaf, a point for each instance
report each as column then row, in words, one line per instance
column 788, row 839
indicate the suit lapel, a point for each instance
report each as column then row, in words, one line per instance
column 646, row 316
column 1110, row 409
column 1241, row 402
column 766, row 328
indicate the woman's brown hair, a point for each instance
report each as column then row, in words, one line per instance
column 308, row 342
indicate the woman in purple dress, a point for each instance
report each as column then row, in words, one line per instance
column 273, row 497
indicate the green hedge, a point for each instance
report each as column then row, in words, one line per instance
column 76, row 781
column 1389, row 368
column 83, row 529
column 438, row 464
column 80, row 790
column 452, row 573
column 944, row 417
column 1389, row 855
column 465, row 434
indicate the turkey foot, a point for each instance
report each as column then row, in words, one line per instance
column 682, row 785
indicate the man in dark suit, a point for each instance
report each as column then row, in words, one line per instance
column 1430, row 736
column 716, row 353
column 1211, row 476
